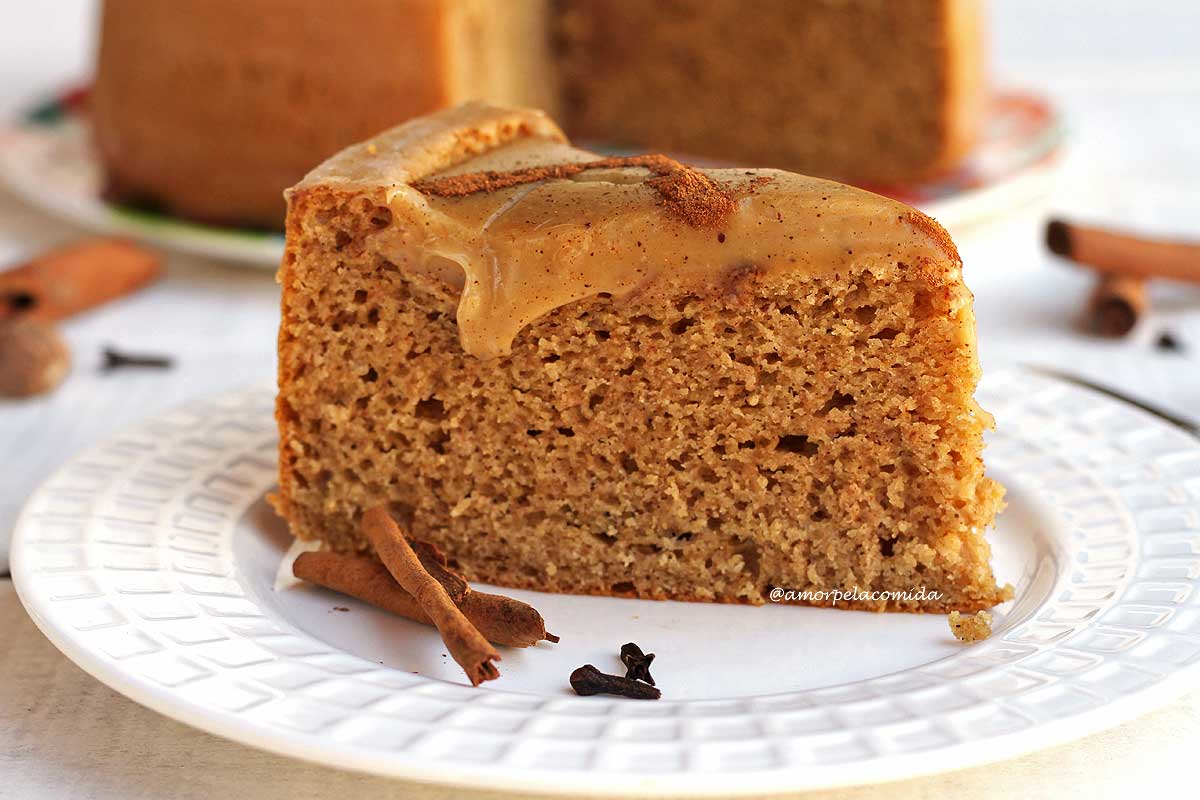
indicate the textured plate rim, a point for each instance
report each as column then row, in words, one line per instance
column 503, row 777
column 584, row 783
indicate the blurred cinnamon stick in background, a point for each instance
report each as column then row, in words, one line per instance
column 1125, row 264
column 1116, row 304
column 34, row 359
column 1122, row 254
column 76, row 277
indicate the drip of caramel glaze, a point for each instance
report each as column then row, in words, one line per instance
column 498, row 203
column 686, row 192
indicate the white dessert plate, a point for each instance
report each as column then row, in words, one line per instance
column 151, row 562
column 46, row 158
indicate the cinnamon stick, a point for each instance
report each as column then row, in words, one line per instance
column 74, row 278
column 467, row 645
column 434, row 562
column 1116, row 304
column 1120, row 253
column 502, row 620
column 520, row 623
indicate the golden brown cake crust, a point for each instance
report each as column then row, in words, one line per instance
column 211, row 108
column 793, row 411
column 869, row 91
column 408, row 153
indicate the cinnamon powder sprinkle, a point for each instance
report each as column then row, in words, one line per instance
column 685, row 191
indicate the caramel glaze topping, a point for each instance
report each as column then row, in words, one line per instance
column 525, row 229
column 496, row 201
column 684, row 191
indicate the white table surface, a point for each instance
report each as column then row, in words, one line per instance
column 1127, row 74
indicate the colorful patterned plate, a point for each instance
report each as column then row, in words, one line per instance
column 46, row 158
column 151, row 561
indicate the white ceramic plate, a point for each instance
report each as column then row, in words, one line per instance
column 46, row 158
column 151, row 562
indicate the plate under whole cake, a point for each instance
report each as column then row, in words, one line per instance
column 46, row 157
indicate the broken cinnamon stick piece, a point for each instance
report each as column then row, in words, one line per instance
column 467, row 645
column 74, row 278
column 1120, row 253
column 434, row 562
column 520, row 623
column 502, row 620
column 1116, row 304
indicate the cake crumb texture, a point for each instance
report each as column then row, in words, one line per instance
column 971, row 628
column 859, row 90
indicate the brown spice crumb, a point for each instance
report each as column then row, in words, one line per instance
column 933, row 229
column 971, row 629
column 685, row 191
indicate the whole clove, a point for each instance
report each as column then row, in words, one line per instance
column 637, row 663
column 587, row 680
column 115, row 359
column 1167, row 342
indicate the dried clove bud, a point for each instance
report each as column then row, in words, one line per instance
column 637, row 663
column 1167, row 342
column 587, row 680
column 115, row 359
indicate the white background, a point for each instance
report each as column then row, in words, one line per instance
column 1127, row 76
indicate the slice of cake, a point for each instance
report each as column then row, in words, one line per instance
column 861, row 90
column 627, row 376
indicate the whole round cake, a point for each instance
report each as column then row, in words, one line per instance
column 210, row 108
